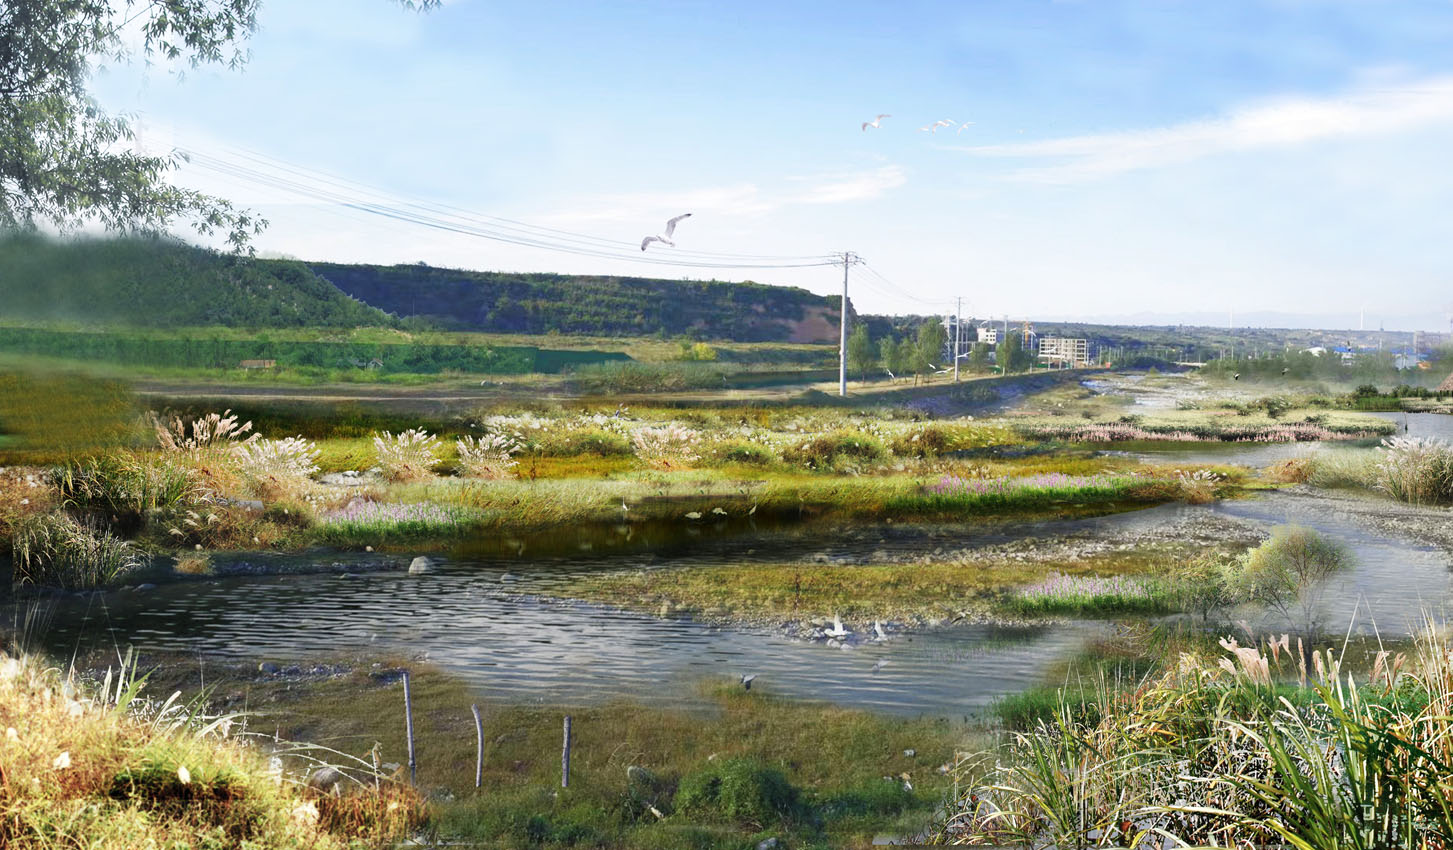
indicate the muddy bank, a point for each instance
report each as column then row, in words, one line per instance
column 1432, row 526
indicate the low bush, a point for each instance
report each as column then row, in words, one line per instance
column 750, row 454
column 929, row 441
column 618, row 377
column 585, row 441
column 490, row 456
column 739, row 790
column 56, row 550
column 831, row 450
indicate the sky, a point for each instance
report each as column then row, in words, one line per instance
column 1125, row 159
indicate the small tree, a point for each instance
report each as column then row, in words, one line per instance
column 1206, row 584
column 928, row 350
column 1289, row 573
column 888, row 354
column 862, row 356
column 979, row 357
column 1011, row 354
column 906, row 356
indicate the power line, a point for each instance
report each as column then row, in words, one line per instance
column 356, row 196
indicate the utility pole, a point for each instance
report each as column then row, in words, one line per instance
column 849, row 258
column 958, row 333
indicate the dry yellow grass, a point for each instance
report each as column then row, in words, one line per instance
column 79, row 770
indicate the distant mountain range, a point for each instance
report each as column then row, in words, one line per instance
column 1402, row 321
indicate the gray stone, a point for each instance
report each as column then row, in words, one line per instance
column 269, row 668
column 421, row 565
column 769, row 843
column 145, row 587
column 327, row 779
column 910, row 753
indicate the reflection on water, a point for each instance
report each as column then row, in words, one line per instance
column 511, row 645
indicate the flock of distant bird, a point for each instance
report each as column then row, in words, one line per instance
column 877, row 124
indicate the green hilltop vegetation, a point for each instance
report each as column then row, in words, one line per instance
column 538, row 303
column 163, row 283
column 143, row 282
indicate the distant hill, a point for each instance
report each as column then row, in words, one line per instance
column 162, row 283
column 506, row 302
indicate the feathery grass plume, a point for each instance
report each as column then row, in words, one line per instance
column 490, row 456
column 273, row 469
column 1416, row 469
column 54, row 549
column 407, row 456
column 1217, row 752
column 668, row 446
column 205, row 434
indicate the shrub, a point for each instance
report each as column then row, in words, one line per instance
column 1289, row 573
column 1342, row 468
column 1204, row 584
column 490, row 456
column 409, row 455
column 632, row 376
column 752, row 454
column 737, row 789
column 828, row 450
column 589, row 441
column 1416, row 469
column 930, row 441
column 54, row 549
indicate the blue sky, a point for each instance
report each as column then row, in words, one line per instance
column 1124, row 157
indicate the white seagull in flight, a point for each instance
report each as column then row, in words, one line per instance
column 875, row 122
column 665, row 238
column 962, row 126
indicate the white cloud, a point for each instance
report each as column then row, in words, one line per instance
column 746, row 199
column 1281, row 123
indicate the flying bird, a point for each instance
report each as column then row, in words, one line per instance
column 837, row 629
column 665, row 238
column 875, row 122
column 962, row 126
column 747, row 681
column 1236, row 377
column 943, row 122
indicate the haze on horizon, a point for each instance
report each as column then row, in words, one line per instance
column 1126, row 158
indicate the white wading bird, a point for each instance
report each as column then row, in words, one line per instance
column 665, row 238
column 747, row 681
column 875, row 122
column 837, row 629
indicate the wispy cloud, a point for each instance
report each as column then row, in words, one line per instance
column 746, row 199
column 1281, row 123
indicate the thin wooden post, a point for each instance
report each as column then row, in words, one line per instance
column 565, row 756
column 478, row 747
column 409, row 729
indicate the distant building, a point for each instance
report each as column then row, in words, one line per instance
column 989, row 334
column 257, row 364
column 1059, row 351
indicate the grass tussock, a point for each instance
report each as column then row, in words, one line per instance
column 1274, row 744
column 101, row 767
column 56, row 550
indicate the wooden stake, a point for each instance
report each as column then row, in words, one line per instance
column 478, row 747
column 565, row 756
column 409, row 730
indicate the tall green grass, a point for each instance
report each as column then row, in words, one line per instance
column 1266, row 745
column 56, row 550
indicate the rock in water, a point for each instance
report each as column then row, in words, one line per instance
column 420, row 565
